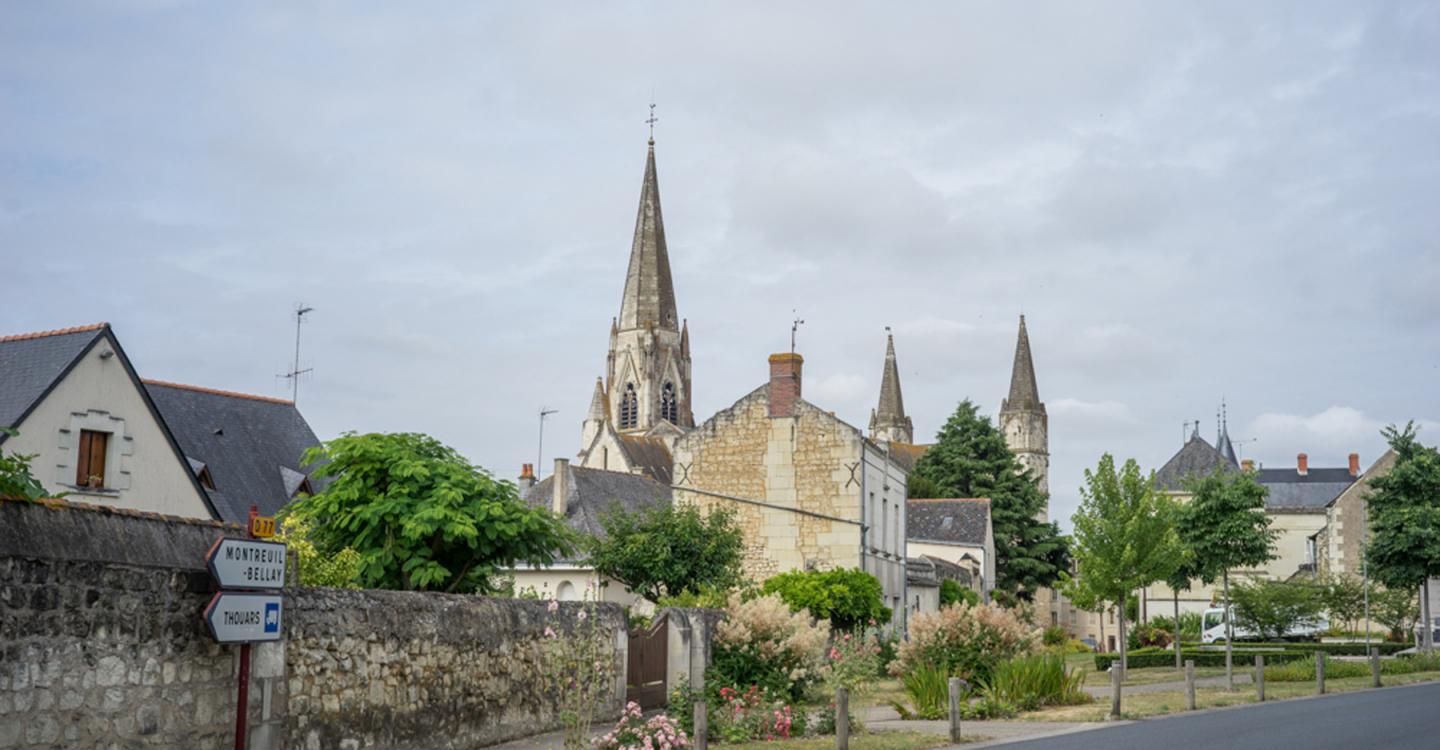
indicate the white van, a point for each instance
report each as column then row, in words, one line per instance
column 1212, row 628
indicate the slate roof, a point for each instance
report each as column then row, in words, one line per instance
column 594, row 492
column 31, row 363
column 1289, row 490
column 649, row 454
column 906, row 454
column 1197, row 458
column 957, row 521
column 944, row 569
column 250, row 444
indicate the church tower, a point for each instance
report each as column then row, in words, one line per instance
column 888, row 423
column 1023, row 420
column 646, row 388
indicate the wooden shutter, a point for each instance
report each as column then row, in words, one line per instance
column 91, row 461
column 82, row 464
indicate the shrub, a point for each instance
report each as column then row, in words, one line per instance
column 1273, row 608
column 1054, row 636
column 965, row 641
column 1149, row 636
column 751, row 715
column 1143, row 658
column 1030, row 682
column 951, row 592
column 847, row 598
column 888, row 643
column 851, row 662
column 707, row 597
column 762, row 643
column 635, row 732
column 1188, row 629
column 1303, row 669
column 929, row 691
column 1076, row 646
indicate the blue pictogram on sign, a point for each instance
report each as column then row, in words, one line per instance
column 272, row 617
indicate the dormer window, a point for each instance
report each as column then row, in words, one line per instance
column 206, row 480
column 669, row 407
column 629, row 408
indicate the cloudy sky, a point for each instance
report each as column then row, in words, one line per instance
column 1188, row 201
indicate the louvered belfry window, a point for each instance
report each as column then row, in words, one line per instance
column 669, row 407
column 629, row 408
column 90, row 468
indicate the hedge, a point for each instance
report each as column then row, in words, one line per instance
column 1334, row 649
column 1142, row 658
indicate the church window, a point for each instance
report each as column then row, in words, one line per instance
column 629, row 408
column 669, row 407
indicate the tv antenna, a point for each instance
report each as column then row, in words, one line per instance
column 545, row 411
column 795, row 328
column 295, row 372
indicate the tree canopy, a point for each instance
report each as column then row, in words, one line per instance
column 970, row 459
column 1224, row 525
column 15, row 478
column 849, row 599
column 667, row 550
column 1273, row 609
column 1404, row 507
column 420, row 515
column 1124, row 533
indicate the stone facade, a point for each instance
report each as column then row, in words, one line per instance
column 102, row 645
column 808, row 490
column 1341, row 543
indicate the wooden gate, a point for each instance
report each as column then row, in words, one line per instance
column 645, row 670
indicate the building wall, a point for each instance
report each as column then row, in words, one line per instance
column 810, row 462
column 1292, row 546
column 572, row 583
column 1346, row 521
column 953, row 553
column 140, row 465
column 884, row 484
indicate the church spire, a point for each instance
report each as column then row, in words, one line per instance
column 888, row 422
column 598, row 409
column 1024, row 394
column 1222, row 441
column 649, row 294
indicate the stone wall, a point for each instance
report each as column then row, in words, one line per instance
column 102, row 645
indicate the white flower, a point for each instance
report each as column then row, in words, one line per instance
column 554, row 605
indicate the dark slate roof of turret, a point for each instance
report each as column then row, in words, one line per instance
column 1196, row 459
column 1225, row 447
column 1024, row 393
column 649, row 293
column 31, row 364
column 1290, row 490
column 952, row 521
column 891, row 409
column 251, row 444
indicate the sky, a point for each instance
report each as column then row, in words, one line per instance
column 1189, row 203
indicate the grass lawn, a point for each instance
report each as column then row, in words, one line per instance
column 875, row 741
column 1156, row 704
column 1135, row 676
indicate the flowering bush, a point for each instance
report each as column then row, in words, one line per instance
column 634, row 732
column 761, row 643
column 966, row 641
column 579, row 667
column 852, row 661
column 751, row 715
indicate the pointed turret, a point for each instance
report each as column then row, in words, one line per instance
column 1222, row 441
column 649, row 294
column 595, row 419
column 888, row 422
column 597, row 401
column 1024, row 394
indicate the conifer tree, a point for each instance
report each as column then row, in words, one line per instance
column 970, row 459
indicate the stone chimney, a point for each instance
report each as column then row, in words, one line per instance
column 784, row 383
column 1247, row 464
column 1354, row 464
column 560, row 487
column 1302, row 464
column 527, row 478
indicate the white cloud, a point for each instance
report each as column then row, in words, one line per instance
column 1092, row 412
column 1327, row 437
column 841, row 389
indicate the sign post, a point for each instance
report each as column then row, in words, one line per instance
column 249, row 607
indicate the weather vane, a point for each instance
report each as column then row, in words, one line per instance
column 794, row 328
column 651, row 122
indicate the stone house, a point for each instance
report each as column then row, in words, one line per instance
column 955, row 531
column 810, row 491
column 103, row 435
column 1340, row 543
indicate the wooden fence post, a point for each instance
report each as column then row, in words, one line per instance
column 1375, row 666
column 842, row 719
column 1115, row 680
column 1190, row 684
column 1319, row 672
column 1260, row 678
column 955, row 710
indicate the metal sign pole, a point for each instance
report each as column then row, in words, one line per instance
column 242, row 697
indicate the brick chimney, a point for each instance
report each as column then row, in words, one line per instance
column 560, row 487
column 784, row 383
column 1354, row 464
column 527, row 477
column 1302, row 464
column 1247, row 464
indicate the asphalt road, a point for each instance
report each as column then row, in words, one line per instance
column 1405, row 717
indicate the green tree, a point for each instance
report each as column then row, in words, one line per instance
column 340, row 570
column 666, row 550
column 849, row 599
column 1186, row 570
column 421, row 516
column 1344, row 598
column 951, row 592
column 1273, row 609
column 970, row 459
column 16, row 481
column 1404, row 507
column 1124, row 537
column 1396, row 609
column 1225, row 527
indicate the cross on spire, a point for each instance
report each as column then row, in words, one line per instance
column 651, row 122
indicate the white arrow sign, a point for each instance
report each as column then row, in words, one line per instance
column 247, row 563
column 243, row 617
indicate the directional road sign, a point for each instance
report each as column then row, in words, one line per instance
column 247, row 563
column 244, row 617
